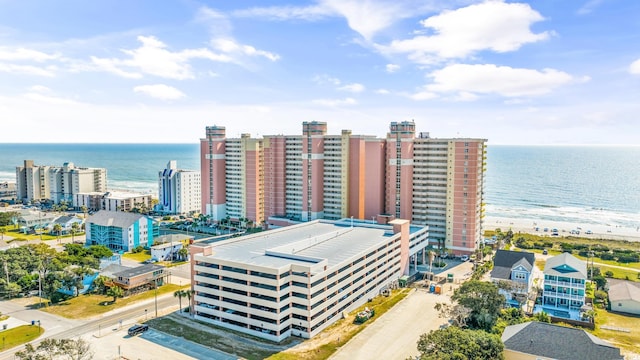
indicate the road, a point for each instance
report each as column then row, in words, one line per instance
column 68, row 329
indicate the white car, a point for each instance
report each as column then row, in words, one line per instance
column 464, row 258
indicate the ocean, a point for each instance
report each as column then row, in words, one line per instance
column 586, row 184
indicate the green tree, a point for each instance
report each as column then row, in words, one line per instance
column 115, row 291
column 189, row 295
column 2, row 231
column 453, row 343
column 57, row 228
column 57, row 349
column 483, row 299
column 75, row 228
column 179, row 294
column 542, row 317
column 99, row 285
column 183, row 253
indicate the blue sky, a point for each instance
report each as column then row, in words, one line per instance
column 537, row 72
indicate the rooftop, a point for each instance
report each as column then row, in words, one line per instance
column 566, row 264
column 623, row 290
column 305, row 243
column 139, row 270
column 505, row 260
column 118, row 219
column 557, row 342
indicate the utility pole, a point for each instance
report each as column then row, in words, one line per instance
column 155, row 281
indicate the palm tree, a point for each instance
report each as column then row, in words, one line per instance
column 183, row 253
column 189, row 294
column 75, row 227
column 84, row 210
column 2, row 231
column 57, row 228
column 179, row 294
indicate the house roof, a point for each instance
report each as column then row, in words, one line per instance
column 557, row 342
column 138, row 270
column 114, row 218
column 66, row 219
column 623, row 290
column 566, row 264
column 506, row 260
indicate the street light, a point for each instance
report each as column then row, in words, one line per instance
column 145, row 314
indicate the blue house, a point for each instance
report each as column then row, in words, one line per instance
column 120, row 231
column 512, row 273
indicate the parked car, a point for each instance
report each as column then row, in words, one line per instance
column 545, row 252
column 464, row 258
column 137, row 329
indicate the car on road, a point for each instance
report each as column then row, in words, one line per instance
column 545, row 252
column 464, row 258
column 137, row 329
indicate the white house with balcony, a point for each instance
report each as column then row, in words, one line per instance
column 563, row 294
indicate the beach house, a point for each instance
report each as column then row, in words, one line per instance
column 563, row 292
column 624, row 296
column 512, row 272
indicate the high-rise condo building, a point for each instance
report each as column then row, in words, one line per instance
column 179, row 190
column 57, row 184
column 285, row 179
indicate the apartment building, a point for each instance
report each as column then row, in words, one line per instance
column 37, row 182
column 112, row 201
column 179, row 190
column 120, row 230
column 297, row 280
column 281, row 180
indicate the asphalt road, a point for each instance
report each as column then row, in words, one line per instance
column 71, row 329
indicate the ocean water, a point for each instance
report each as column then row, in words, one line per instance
column 592, row 184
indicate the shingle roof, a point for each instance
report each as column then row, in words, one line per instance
column 505, row 260
column 560, row 266
column 138, row 270
column 623, row 290
column 114, row 218
column 557, row 342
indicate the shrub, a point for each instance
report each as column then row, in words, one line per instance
column 607, row 256
column 608, row 274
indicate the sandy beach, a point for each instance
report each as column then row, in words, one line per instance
column 613, row 232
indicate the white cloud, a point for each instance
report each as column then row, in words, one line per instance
column 589, row 6
column 383, row 92
column 366, row 17
column 354, row 88
column 326, row 79
column 22, row 54
column 53, row 100
column 153, row 58
column 502, row 80
column 634, row 68
column 230, row 46
column 335, row 102
column 160, row 91
column 280, row 13
column 391, row 68
column 492, row 25
column 47, row 71
column 423, row 95
column 39, row 89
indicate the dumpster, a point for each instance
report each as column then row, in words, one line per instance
column 432, row 288
column 438, row 289
column 450, row 278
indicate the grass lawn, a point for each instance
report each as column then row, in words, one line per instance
column 209, row 339
column 620, row 273
column 85, row 306
column 20, row 335
column 140, row 257
column 627, row 340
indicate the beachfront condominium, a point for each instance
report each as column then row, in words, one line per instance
column 37, row 182
column 179, row 190
column 113, row 201
column 280, row 180
column 299, row 279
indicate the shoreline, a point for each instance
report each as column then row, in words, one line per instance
column 529, row 226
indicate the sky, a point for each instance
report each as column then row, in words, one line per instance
column 147, row 71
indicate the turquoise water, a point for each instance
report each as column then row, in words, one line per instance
column 571, row 183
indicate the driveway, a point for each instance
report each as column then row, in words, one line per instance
column 395, row 335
